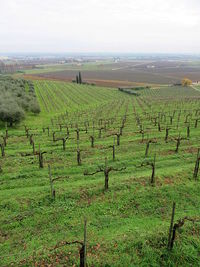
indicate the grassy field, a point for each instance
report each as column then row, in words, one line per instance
column 68, row 66
column 128, row 224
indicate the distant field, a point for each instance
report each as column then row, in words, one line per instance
column 123, row 72
column 128, row 224
column 119, row 75
column 68, row 66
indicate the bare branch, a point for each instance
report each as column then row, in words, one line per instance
column 119, row 169
column 87, row 173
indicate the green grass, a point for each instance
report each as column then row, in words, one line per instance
column 68, row 66
column 127, row 225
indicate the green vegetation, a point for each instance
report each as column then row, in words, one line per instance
column 68, row 66
column 16, row 97
column 133, row 90
column 127, row 224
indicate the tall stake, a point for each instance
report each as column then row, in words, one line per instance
column 83, row 250
column 114, row 149
column 33, row 144
column 171, row 225
column 153, row 171
column 85, row 242
column 50, row 179
column 196, row 169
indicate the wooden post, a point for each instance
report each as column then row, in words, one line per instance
column 85, row 242
column 6, row 132
column 92, row 140
column 153, row 171
column 64, row 141
column 77, row 134
column 54, row 139
column 2, row 150
column 178, row 142
column 40, row 161
column 120, row 130
column 113, row 147
column 171, row 225
column 118, row 139
column 83, row 250
column 50, row 179
column 188, row 131
column 27, row 132
column 33, row 144
column 31, row 139
column 41, row 164
column 78, row 156
column 147, row 148
column 166, row 134
column 196, row 168
column 159, row 128
column 196, row 122
column 4, row 140
column 67, row 131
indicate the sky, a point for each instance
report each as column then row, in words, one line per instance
column 126, row 26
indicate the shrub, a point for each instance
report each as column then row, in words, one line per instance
column 10, row 112
column 35, row 108
column 186, row 82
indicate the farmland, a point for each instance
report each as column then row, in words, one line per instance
column 123, row 72
column 82, row 131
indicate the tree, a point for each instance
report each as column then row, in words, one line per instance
column 186, row 82
column 80, row 78
column 10, row 112
column 16, row 99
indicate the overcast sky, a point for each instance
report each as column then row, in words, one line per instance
column 100, row 26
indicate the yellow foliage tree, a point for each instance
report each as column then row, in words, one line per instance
column 186, row 82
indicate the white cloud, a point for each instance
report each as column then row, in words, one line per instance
column 103, row 25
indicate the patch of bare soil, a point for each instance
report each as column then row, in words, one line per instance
column 168, row 152
column 190, row 150
column 103, row 83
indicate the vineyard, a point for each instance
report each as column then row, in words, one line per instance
column 118, row 161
